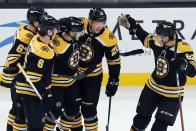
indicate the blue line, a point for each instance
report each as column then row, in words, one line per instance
column 6, row 41
column 13, row 24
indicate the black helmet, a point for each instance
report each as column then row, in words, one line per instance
column 97, row 14
column 71, row 24
column 47, row 22
column 35, row 14
column 166, row 29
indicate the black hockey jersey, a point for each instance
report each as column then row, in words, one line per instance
column 39, row 62
column 94, row 47
column 66, row 62
column 16, row 55
column 163, row 79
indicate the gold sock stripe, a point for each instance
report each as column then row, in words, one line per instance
column 10, row 123
column 20, row 125
column 12, row 116
column 91, row 124
column 76, row 126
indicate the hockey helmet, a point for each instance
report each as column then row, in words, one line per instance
column 166, row 29
column 73, row 24
column 97, row 14
column 47, row 22
column 35, row 14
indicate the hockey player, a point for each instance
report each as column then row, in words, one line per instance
column 23, row 36
column 161, row 91
column 65, row 90
column 97, row 41
column 39, row 62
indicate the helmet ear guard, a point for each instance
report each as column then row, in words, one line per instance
column 166, row 29
column 63, row 24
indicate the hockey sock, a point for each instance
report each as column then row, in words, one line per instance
column 91, row 124
column 10, row 121
column 77, row 123
column 65, row 122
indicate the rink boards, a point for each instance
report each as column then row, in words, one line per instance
column 135, row 69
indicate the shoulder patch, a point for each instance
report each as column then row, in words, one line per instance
column 59, row 45
column 111, row 35
column 185, row 44
column 184, row 47
column 23, row 35
column 29, row 35
column 56, row 42
column 45, row 48
column 107, row 38
column 42, row 50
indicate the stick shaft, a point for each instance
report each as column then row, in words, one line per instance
column 109, row 110
column 180, row 101
column 28, row 79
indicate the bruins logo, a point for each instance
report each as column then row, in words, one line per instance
column 29, row 35
column 86, row 52
column 111, row 35
column 56, row 42
column 74, row 59
column 45, row 48
column 184, row 43
column 162, row 67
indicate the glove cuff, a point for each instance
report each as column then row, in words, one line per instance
column 133, row 29
column 113, row 79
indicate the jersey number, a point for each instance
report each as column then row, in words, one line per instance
column 20, row 48
column 40, row 63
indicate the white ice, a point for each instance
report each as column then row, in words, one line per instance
column 123, row 109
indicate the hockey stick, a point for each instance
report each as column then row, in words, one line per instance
column 133, row 52
column 80, row 76
column 34, row 88
column 109, row 110
column 77, row 77
column 178, row 86
column 9, row 68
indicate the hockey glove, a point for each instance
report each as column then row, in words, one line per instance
column 6, row 71
column 123, row 21
column 112, row 87
column 47, row 100
column 86, row 72
column 134, row 25
column 181, row 65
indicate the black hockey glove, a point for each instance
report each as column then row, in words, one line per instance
column 8, row 70
column 133, row 24
column 112, row 87
column 47, row 100
column 86, row 72
column 181, row 65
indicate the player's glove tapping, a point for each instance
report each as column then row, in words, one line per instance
column 112, row 87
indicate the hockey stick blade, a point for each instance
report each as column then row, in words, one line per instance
column 133, row 52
